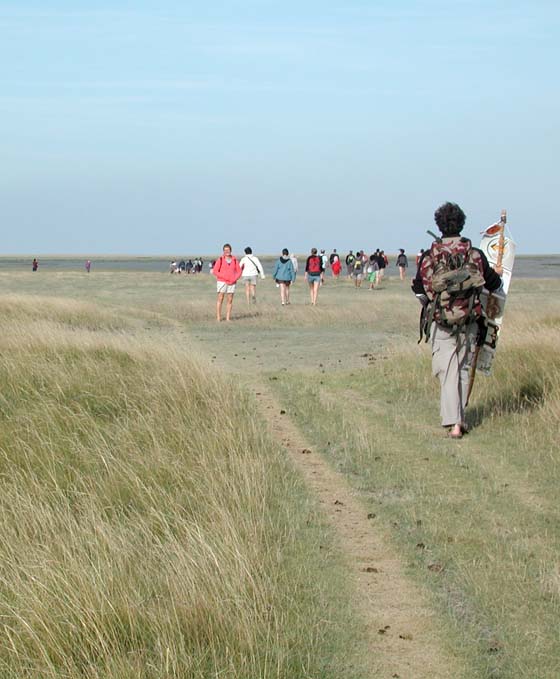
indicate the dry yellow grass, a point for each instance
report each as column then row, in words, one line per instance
column 124, row 372
column 148, row 527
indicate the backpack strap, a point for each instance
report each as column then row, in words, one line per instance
column 255, row 265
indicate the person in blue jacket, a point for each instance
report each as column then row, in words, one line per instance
column 284, row 275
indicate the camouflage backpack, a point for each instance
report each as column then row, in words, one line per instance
column 452, row 277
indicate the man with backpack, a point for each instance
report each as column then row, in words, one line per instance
column 448, row 283
column 358, row 270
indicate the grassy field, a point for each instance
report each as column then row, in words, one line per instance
column 150, row 527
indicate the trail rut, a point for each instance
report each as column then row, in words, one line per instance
column 403, row 634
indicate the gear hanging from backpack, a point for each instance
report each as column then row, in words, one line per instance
column 452, row 276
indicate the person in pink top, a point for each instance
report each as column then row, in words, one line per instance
column 227, row 272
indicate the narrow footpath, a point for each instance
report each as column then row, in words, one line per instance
column 403, row 634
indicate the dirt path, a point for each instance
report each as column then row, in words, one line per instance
column 403, row 634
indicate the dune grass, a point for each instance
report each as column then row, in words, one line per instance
column 129, row 484
column 149, row 528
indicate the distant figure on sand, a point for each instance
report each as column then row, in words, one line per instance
column 227, row 272
column 383, row 264
column 358, row 271
column 34, row 264
column 313, row 272
column 325, row 263
column 294, row 264
column 335, row 264
column 88, row 265
column 252, row 269
column 284, row 275
column 402, row 263
column 350, row 264
column 372, row 271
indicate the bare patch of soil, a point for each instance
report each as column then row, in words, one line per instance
column 403, row 634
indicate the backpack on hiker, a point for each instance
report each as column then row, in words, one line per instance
column 453, row 280
column 314, row 265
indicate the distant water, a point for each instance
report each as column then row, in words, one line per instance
column 526, row 266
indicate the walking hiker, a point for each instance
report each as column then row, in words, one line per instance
column 350, row 264
column 379, row 260
column 252, row 269
column 284, row 275
column 227, row 272
column 334, row 260
column 383, row 262
column 325, row 263
column 358, row 270
column 448, row 282
column 372, row 270
column 402, row 263
column 294, row 264
column 313, row 272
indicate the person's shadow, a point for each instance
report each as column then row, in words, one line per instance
column 524, row 399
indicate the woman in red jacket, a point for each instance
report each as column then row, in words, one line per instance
column 227, row 272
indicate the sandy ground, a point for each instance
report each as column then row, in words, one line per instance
column 398, row 621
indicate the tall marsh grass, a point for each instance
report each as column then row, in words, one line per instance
column 148, row 526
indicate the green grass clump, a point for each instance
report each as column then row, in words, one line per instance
column 148, row 525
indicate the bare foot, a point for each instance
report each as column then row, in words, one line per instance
column 456, row 432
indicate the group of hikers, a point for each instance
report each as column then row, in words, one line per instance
column 372, row 267
column 228, row 271
column 450, row 276
column 186, row 266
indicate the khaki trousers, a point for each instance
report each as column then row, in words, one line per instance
column 450, row 358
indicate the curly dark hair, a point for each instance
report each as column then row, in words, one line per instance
column 450, row 219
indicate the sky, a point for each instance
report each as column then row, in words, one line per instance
column 144, row 127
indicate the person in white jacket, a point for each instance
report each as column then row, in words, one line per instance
column 252, row 269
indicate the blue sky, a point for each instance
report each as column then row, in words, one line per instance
column 169, row 127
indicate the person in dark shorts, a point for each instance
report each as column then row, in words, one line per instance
column 284, row 275
column 402, row 263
